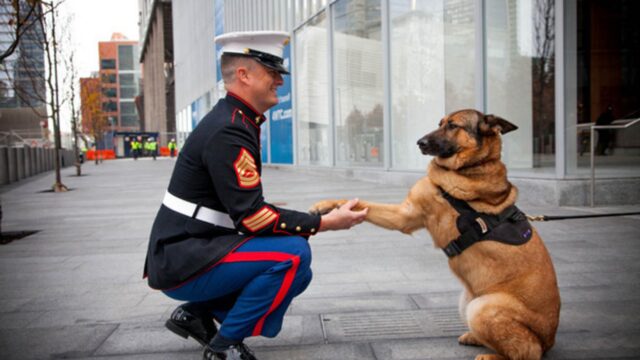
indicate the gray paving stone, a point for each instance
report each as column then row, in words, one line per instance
column 418, row 349
column 74, row 289
column 54, row 342
column 354, row 351
column 351, row 304
column 371, row 326
column 144, row 338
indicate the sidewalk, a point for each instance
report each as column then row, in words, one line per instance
column 74, row 290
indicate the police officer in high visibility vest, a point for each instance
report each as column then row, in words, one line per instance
column 136, row 147
column 151, row 146
column 216, row 243
column 172, row 147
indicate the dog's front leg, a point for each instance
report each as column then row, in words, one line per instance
column 404, row 217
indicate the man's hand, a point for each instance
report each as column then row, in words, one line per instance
column 343, row 217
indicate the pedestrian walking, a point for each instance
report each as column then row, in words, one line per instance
column 216, row 243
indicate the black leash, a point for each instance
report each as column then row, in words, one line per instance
column 569, row 217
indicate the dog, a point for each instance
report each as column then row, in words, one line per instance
column 510, row 302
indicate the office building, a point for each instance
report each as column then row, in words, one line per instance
column 370, row 77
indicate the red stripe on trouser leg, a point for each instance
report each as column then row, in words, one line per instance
column 286, row 282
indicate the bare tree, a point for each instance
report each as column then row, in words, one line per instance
column 20, row 19
column 72, row 83
column 30, row 74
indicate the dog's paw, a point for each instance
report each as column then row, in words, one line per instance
column 325, row 206
column 490, row 357
column 468, row 339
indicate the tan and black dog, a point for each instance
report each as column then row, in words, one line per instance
column 510, row 301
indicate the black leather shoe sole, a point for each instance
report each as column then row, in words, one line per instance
column 177, row 329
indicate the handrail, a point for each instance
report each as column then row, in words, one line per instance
column 13, row 138
column 592, row 129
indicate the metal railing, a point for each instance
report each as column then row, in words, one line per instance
column 592, row 129
column 22, row 138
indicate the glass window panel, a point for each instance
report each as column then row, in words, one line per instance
column 110, row 106
column 521, row 78
column 125, row 57
column 432, row 70
column 358, row 84
column 127, row 80
column 108, row 78
column 602, row 74
column 312, row 98
column 127, row 108
column 108, row 64
column 128, row 92
column 129, row 120
column 109, row 92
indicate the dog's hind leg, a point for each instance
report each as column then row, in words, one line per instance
column 497, row 321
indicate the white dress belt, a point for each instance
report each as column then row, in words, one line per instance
column 201, row 213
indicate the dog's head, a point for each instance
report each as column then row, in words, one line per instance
column 465, row 138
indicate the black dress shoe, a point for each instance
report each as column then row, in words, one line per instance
column 233, row 352
column 185, row 324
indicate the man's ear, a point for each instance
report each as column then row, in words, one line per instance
column 242, row 73
column 489, row 123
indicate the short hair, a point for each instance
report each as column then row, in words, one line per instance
column 230, row 62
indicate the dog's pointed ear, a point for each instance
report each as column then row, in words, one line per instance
column 491, row 122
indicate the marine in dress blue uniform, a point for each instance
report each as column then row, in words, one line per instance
column 216, row 243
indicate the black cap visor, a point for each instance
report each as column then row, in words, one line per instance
column 274, row 66
column 271, row 61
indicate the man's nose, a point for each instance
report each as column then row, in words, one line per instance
column 279, row 79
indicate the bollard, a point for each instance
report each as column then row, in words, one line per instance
column 34, row 164
column 20, row 163
column 27, row 161
column 38, row 161
column 11, row 162
column 50, row 159
column 4, row 166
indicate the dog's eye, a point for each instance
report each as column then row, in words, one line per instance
column 451, row 126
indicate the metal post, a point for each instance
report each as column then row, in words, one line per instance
column 593, row 167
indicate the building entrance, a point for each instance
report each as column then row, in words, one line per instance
column 608, row 79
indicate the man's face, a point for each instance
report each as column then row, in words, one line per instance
column 264, row 86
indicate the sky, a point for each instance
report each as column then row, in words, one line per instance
column 96, row 20
column 92, row 21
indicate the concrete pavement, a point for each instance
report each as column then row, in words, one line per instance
column 74, row 289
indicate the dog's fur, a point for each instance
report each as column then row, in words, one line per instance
column 510, row 301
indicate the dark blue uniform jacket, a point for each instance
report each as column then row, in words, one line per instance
column 219, row 167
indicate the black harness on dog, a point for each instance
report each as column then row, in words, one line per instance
column 509, row 227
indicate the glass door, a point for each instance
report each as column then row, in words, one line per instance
column 603, row 82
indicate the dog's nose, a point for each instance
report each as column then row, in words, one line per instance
column 423, row 142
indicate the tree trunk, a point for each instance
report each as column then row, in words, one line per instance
column 58, row 186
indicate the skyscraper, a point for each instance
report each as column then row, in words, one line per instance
column 22, row 74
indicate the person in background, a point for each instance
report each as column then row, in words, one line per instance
column 605, row 136
column 151, row 146
column 172, row 147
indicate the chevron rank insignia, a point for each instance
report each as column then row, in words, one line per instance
column 246, row 170
column 260, row 219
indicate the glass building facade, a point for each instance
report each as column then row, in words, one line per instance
column 373, row 76
column 370, row 77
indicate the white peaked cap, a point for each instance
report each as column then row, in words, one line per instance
column 264, row 46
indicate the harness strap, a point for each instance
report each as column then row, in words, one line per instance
column 481, row 227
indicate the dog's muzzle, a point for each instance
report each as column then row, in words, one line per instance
column 436, row 147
